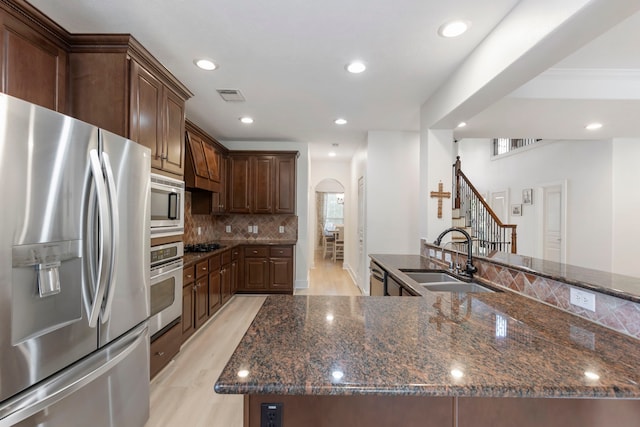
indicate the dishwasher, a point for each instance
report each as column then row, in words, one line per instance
column 377, row 280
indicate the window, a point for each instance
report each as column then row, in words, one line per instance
column 333, row 210
column 505, row 145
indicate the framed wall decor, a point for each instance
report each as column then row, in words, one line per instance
column 516, row 210
column 527, row 196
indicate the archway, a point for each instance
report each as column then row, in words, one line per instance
column 329, row 210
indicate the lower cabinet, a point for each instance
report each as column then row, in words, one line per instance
column 164, row 348
column 267, row 269
column 225, row 277
column 188, row 303
column 215, row 288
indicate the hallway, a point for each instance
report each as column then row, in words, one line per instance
column 182, row 394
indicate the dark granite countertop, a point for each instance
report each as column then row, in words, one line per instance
column 440, row 344
column 193, row 257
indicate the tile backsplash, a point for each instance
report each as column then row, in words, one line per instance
column 615, row 313
column 213, row 227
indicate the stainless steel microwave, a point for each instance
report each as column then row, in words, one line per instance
column 167, row 206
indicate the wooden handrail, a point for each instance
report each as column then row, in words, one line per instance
column 460, row 175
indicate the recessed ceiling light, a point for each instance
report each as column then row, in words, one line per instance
column 453, row 28
column 340, row 121
column 205, row 64
column 246, row 120
column 461, row 124
column 332, row 154
column 593, row 126
column 355, row 67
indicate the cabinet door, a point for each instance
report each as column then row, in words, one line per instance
column 239, row 184
column 262, row 183
column 173, row 140
column 234, row 276
column 213, row 162
column 285, row 184
column 214, row 291
column 197, row 154
column 281, row 274
column 225, row 283
column 33, row 68
column 188, row 311
column 256, row 274
column 146, row 107
column 202, row 305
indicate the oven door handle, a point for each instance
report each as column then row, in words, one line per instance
column 173, row 206
column 161, row 272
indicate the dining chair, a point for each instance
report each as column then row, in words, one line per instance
column 328, row 238
column 338, row 244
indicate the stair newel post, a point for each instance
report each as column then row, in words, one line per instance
column 456, row 176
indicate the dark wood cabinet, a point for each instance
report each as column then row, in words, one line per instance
column 262, row 183
column 235, row 269
column 239, row 182
column 225, row 277
column 215, row 289
column 256, row 268
column 261, row 186
column 164, row 349
column 284, row 185
column 267, row 269
column 201, row 293
column 188, row 302
column 33, row 56
column 115, row 83
column 205, row 162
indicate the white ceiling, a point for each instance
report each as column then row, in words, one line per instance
column 287, row 57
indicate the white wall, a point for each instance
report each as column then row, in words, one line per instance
column 392, row 192
column 626, row 206
column 304, row 247
column 586, row 166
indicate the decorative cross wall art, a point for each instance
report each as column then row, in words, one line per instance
column 440, row 195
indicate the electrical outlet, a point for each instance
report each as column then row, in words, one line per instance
column 447, row 257
column 271, row 415
column 439, row 254
column 227, row 229
column 432, row 253
column 199, row 231
column 281, row 229
column 250, row 229
column 255, row 229
column 583, row 299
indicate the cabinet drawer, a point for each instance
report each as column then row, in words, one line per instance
column 226, row 257
column 214, row 263
column 202, row 268
column 281, row 251
column 164, row 348
column 256, row 251
column 188, row 275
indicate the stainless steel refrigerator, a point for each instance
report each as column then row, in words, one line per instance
column 74, row 272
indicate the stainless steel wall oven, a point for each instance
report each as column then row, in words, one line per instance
column 166, row 285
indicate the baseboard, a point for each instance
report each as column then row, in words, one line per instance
column 352, row 274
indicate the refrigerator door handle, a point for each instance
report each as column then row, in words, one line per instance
column 114, row 243
column 103, row 214
column 65, row 383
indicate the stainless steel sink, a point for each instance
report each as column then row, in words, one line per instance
column 430, row 276
column 456, row 287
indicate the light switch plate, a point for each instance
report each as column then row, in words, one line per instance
column 250, row 229
column 281, row 229
column 227, row 229
column 255, row 229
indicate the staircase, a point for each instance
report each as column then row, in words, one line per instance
column 472, row 214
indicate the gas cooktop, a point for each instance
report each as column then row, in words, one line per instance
column 203, row 247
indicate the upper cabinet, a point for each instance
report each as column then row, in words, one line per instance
column 262, row 183
column 33, row 56
column 116, row 84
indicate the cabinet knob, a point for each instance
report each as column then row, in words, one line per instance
column 204, row 268
column 160, row 353
column 188, row 276
column 255, row 252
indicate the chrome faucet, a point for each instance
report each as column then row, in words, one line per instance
column 469, row 268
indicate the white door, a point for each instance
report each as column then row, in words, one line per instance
column 499, row 204
column 552, row 225
column 363, row 281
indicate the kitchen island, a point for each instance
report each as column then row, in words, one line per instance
column 441, row 359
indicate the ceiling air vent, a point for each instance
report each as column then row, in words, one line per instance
column 231, row 95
